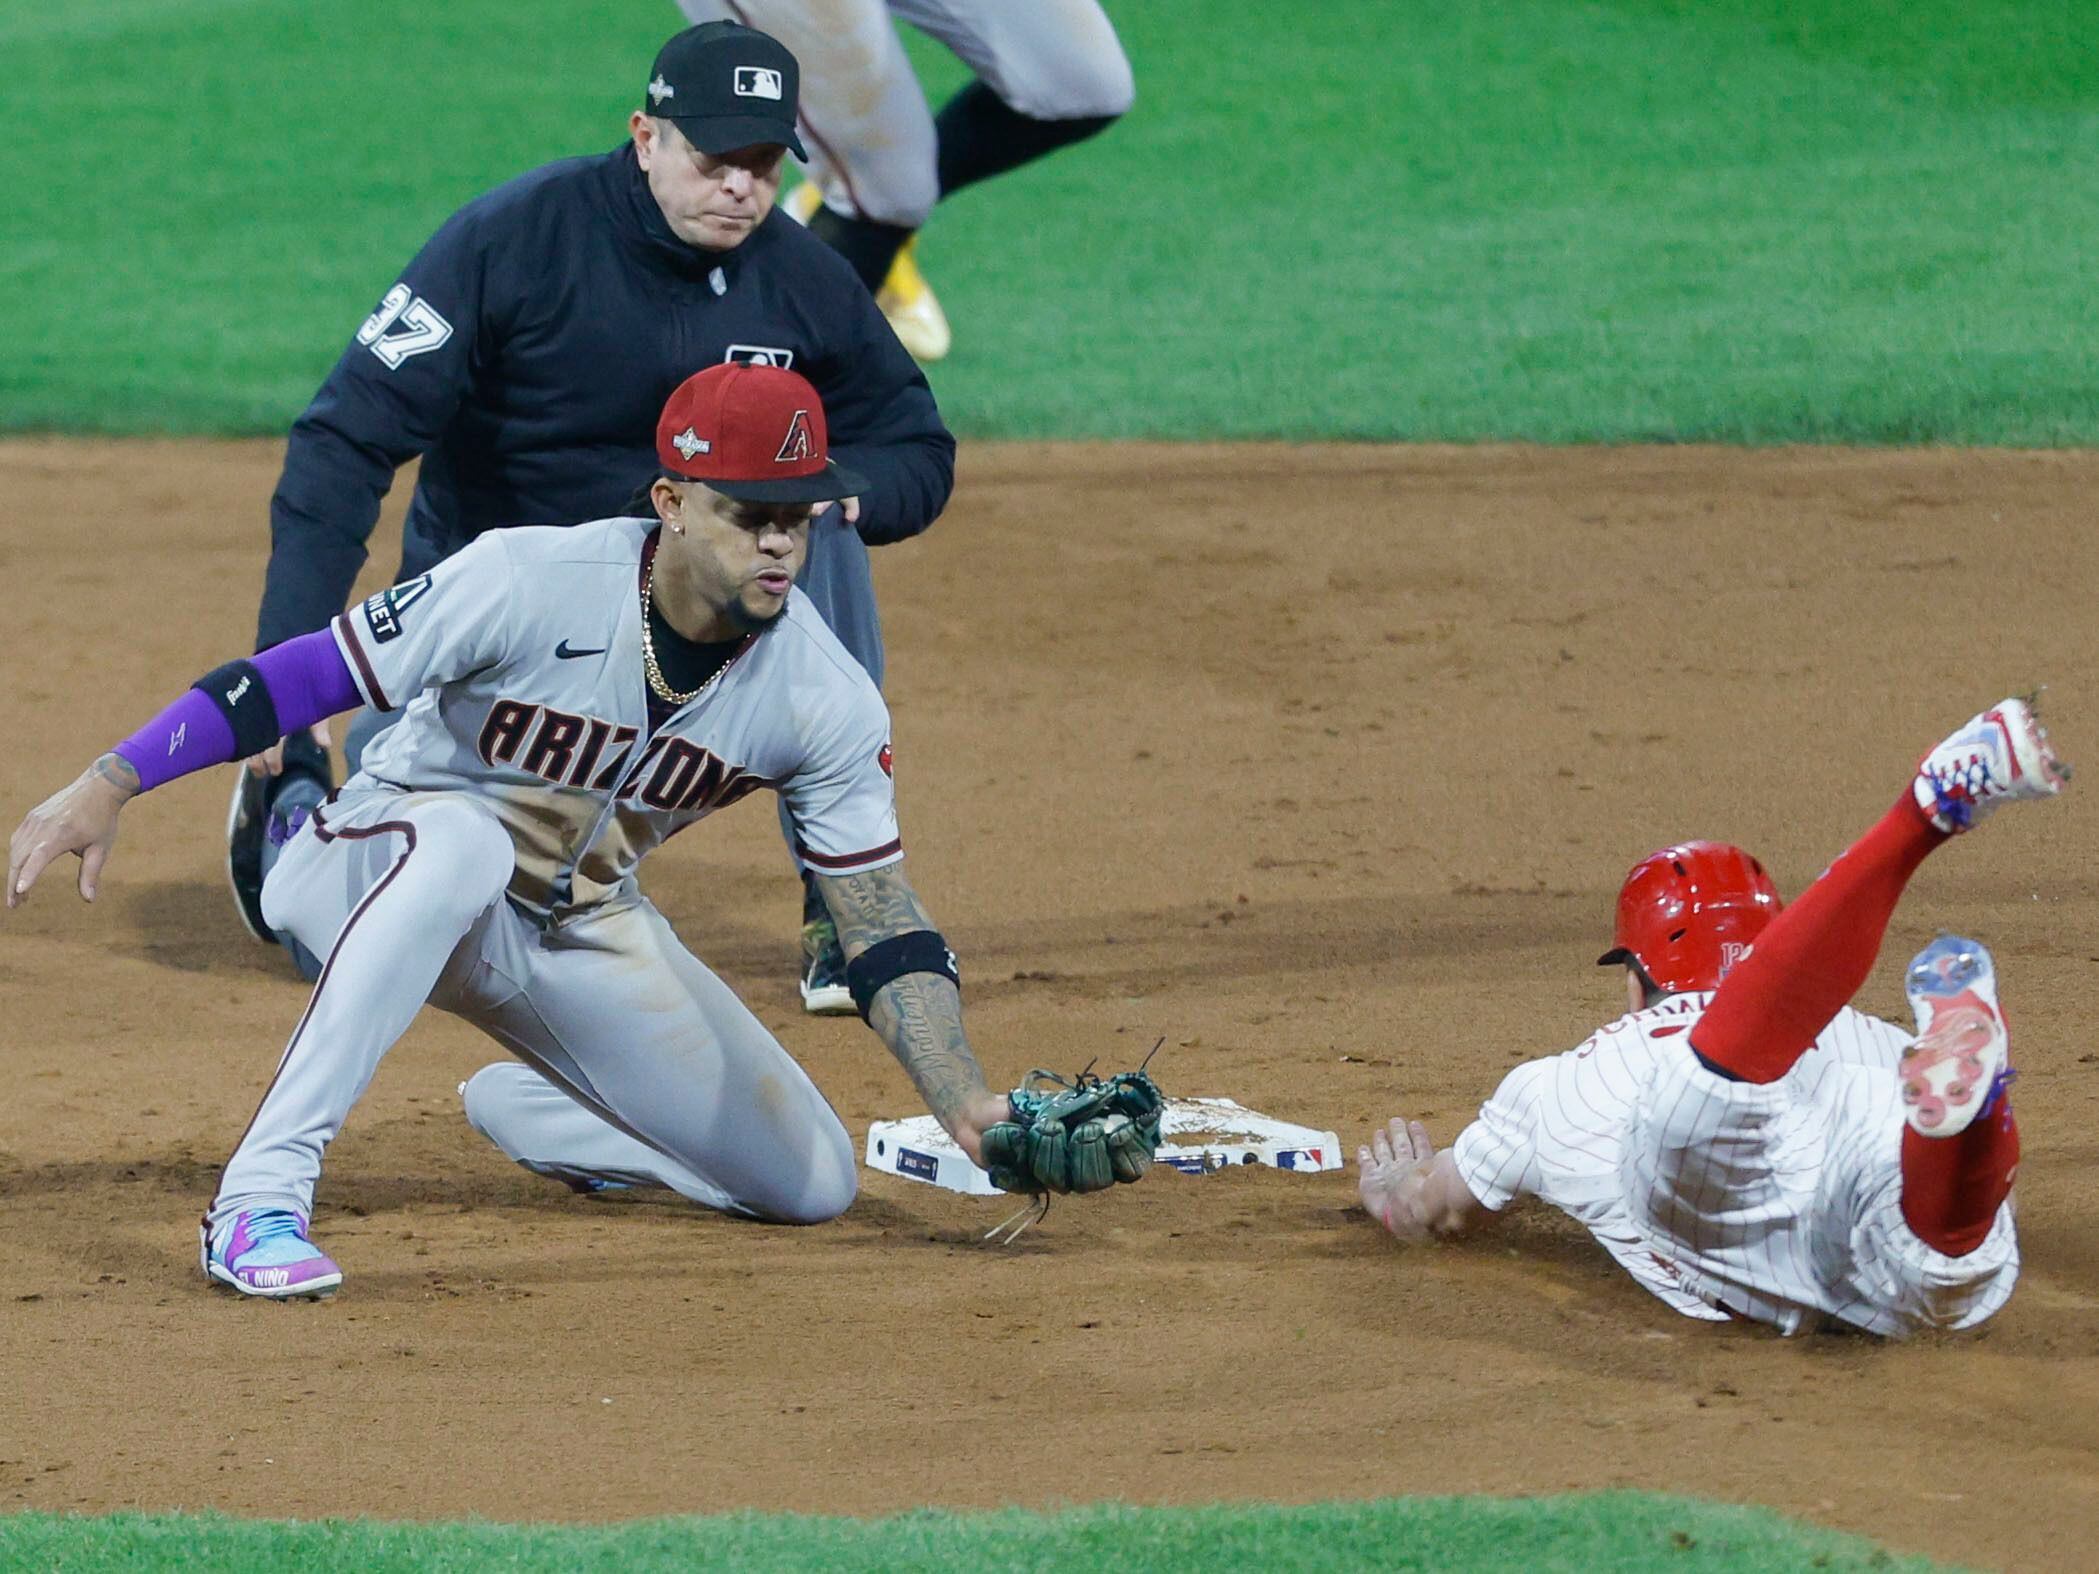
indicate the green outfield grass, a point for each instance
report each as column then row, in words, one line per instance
column 1745, row 220
column 1623, row 1531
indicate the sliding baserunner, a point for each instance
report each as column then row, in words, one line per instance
column 1742, row 1141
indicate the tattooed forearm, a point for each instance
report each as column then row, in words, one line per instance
column 871, row 907
column 919, row 1016
column 117, row 771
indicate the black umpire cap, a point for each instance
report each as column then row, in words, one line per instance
column 727, row 86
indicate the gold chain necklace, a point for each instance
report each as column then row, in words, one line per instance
column 657, row 684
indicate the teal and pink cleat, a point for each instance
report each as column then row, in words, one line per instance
column 265, row 1252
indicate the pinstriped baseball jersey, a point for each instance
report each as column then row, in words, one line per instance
column 1780, row 1203
column 519, row 663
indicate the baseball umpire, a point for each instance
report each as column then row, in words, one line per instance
column 1742, row 1141
column 524, row 354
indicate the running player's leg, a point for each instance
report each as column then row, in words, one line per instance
column 1049, row 74
column 1816, row 954
column 382, row 887
column 695, row 1093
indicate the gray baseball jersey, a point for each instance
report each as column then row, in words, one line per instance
column 516, row 662
column 483, row 860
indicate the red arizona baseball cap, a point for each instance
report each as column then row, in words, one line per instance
column 755, row 433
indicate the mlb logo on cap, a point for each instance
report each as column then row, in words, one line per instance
column 757, row 82
column 752, row 432
column 727, row 86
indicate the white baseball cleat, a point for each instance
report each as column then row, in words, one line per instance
column 1959, row 1062
column 2000, row 756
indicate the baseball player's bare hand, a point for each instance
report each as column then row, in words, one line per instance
column 851, row 505
column 271, row 761
column 81, row 818
column 983, row 1112
column 1394, row 1167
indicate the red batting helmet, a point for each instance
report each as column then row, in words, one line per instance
column 1687, row 913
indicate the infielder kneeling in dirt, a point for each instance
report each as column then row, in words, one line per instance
column 1743, row 1142
column 572, row 698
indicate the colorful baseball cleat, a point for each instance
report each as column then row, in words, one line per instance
column 2000, row 756
column 266, row 1253
column 1958, row 1065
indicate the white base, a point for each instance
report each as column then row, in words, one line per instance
column 1197, row 1136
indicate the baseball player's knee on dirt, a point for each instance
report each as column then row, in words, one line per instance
column 827, row 1185
column 490, row 1091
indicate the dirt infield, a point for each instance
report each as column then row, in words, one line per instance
column 1321, row 762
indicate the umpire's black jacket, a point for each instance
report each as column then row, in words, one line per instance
column 526, row 353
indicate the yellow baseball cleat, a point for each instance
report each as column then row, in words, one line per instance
column 906, row 299
column 912, row 308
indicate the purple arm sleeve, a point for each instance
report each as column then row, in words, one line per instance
column 307, row 679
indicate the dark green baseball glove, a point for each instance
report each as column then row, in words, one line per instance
column 1080, row 1135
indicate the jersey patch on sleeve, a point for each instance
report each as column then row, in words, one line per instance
column 383, row 612
column 405, row 325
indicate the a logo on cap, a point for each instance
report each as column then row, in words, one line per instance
column 690, row 443
column 659, row 90
column 798, row 445
column 758, row 82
